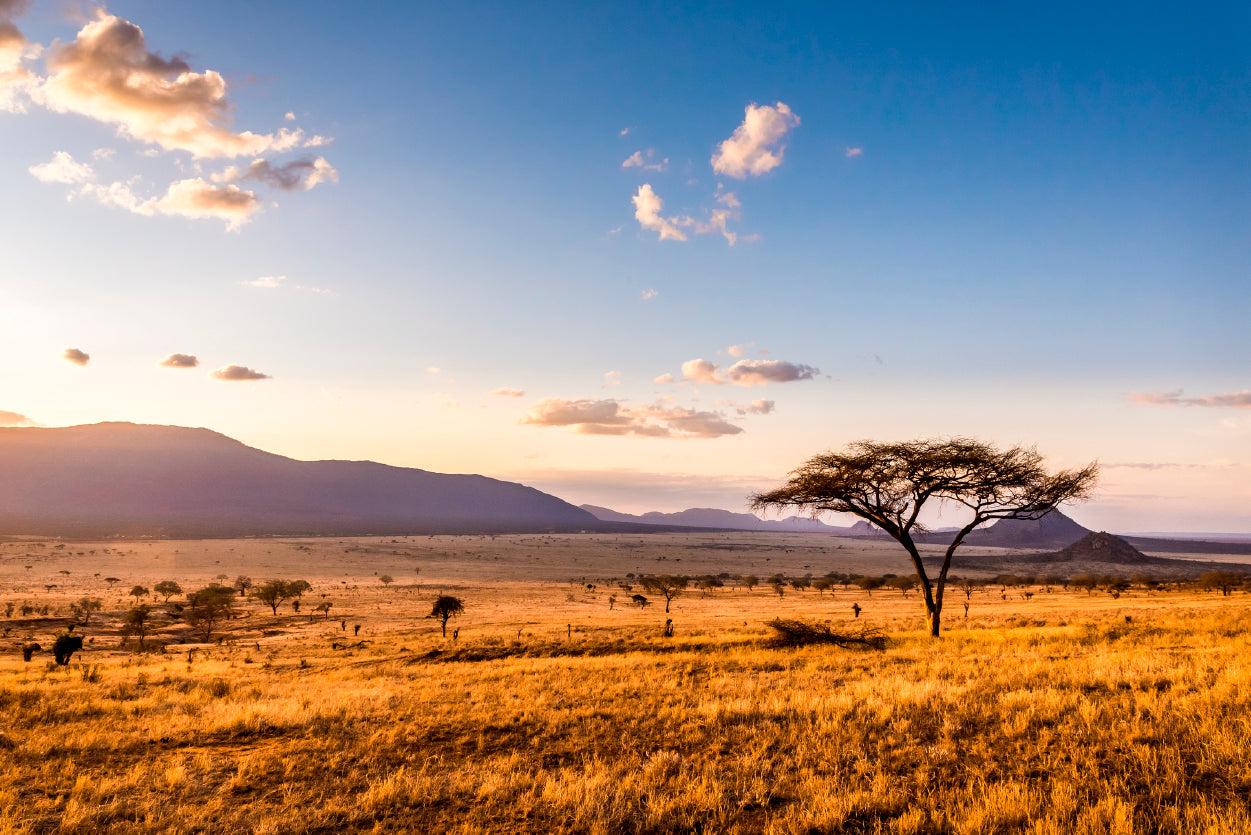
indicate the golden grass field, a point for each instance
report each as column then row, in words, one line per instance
column 1064, row 713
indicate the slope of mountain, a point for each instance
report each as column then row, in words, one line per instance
column 1101, row 547
column 1055, row 530
column 707, row 517
column 126, row 479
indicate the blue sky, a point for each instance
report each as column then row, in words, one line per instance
column 1028, row 225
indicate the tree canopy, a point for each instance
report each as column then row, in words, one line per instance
column 888, row 484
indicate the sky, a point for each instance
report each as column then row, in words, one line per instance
column 643, row 255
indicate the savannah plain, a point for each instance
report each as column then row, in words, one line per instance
column 1043, row 709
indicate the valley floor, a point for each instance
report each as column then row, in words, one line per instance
column 1063, row 712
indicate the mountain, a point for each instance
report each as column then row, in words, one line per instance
column 707, row 517
column 1101, row 547
column 127, row 479
column 1055, row 530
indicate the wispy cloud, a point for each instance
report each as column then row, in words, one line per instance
column 180, row 361
column 755, row 147
column 649, row 294
column 297, row 175
column 238, row 373
column 645, row 160
column 509, row 392
column 192, row 198
column 1229, row 400
column 267, row 282
column 14, row 419
column 854, row 152
column 612, row 417
column 612, row 378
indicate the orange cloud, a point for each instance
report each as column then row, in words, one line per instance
column 14, row 419
column 108, row 74
column 180, row 361
column 238, row 373
column 1228, row 400
column 611, row 417
column 76, row 356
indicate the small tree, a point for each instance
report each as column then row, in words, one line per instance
column 869, row 584
column 138, row 592
column 386, row 579
column 84, row 607
column 112, row 581
column 1226, row 581
column 888, row 485
column 137, row 621
column 167, row 589
column 750, row 581
column 668, row 585
column 242, row 585
column 271, row 593
column 208, row 607
column 822, row 584
column 445, row 608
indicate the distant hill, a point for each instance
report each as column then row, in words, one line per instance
column 126, row 479
column 707, row 517
column 1055, row 530
column 1101, row 547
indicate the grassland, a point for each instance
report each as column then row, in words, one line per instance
column 550, row 712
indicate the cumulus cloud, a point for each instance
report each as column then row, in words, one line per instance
column 665, row 379
column 235, row 373
column 739, row 350
column 76, row 356
column 755, row 407
column 297, row 175
column 649, row 294
column 717, row 223
column 646, row 161
column 63, row 168
column 1229, row 400
column 16, row 82
column 761, row 372
column 701, row 371
column 108, row 74
column 611, row 417
column 854, row 152
column 647, row 208
column 192, row 198
column 730, row 199
column 508, row 392
column 756, row 146
column 14, row 419
column 743, row 372
column 180, row 361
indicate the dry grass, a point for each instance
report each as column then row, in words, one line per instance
column 1049, row 715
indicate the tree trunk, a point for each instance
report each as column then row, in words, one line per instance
column 932, row 616
column 445, row 627
column 667, row 599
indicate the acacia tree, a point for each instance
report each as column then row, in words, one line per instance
column 445, row 608
column 167, row 589
column 888, row 484
column 208, row 607
column 669, row 585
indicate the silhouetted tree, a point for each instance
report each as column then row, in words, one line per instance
column 668, row 585
column 888, row 485
column 750, row 581
column 242, row 584
column 869, row 584
column 386, row 579
column 822, row 584
column 445, row 608
column 1226, row 581
column 112, row 581
column 640, row 601
column 138, row 592
column 167, row 589
column 271, row 593
column 84, row 607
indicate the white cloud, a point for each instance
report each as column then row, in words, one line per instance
column 644, row 160
column 755, row 147
column 647, row 208
column 739, row 350
column 266, row 281
column 289, row 116
column 854, row 152
column 701, row 371
column 665, row 379
column 193, row 198
column 730, row 199
column 508, row 392
column 649, row 294
column 611, row 417
column 62, row 168
column 717, row 223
